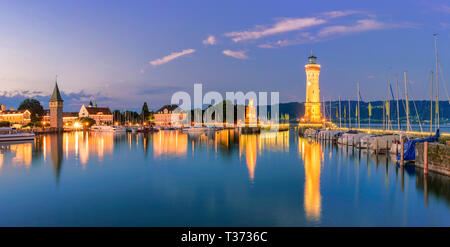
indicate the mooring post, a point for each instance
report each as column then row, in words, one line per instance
column 346, row 144
column 376, row 147
column 402, row 159
column 396, row 149
column 387, row 147
column 359, row 147
column 425, row 157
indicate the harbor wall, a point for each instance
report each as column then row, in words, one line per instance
column 438, row 157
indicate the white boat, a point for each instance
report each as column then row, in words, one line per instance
column 195, row 129
column 382, row 143
column 102, row 128
column 351, row 137
column 328, row 134
column 132, row 129
column 365, row 141
column 396, row 146
column 310, row 133
column 11, row 134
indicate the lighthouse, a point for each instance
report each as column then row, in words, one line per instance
column 312, row 103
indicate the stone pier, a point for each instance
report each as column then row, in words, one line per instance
column 438, row 157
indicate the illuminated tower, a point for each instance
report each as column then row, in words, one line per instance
column 56, row 109
column 312, row 103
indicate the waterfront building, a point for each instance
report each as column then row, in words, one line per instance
column 167, row 116
column 56, row 109
column 101, row 115
column 312, row 103
column 68, row 117
column 20, row 117
column 250, row 114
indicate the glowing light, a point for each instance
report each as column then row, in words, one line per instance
column 77, row 125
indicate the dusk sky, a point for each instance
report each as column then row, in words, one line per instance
column 122, row 53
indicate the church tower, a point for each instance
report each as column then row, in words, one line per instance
column 312, row 103
column 56, row 109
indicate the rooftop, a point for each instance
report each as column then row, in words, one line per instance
column 56, row 96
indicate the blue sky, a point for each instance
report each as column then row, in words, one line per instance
column 122, row 53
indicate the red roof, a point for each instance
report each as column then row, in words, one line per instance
column 70, row 114
column 65, row 114
column 98, row 110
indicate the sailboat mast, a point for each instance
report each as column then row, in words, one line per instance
column 339, row 111
column 384, row 114
column 408, row 127
column 349, row 116
column 331, row 116
column 357, row 110
column 398, row 109
column 437, row 81
column 388, row 109
column 431, row 105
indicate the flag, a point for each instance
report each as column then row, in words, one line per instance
column 370, row 109
column 337, row 114
column 356, row 112
column 437, row 106
column 344, row 112
column 387, row 108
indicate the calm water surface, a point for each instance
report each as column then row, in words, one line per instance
column 220, row 179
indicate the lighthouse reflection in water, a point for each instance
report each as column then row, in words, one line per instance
column 215, row 178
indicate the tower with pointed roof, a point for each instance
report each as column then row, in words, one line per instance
column 56, row 109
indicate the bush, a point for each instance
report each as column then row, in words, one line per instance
column 86, row 122
column 5, row 124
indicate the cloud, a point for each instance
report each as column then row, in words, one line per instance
column 341, row 13
column 158, row 90
column 281, row 26
column 171, row 57
column 211, row 40
column 330, row 32
column 360, row 26
column 72, row 101
column 235, row 54
column 301, row 38
column 266, row 46
column 371, row 77
column 445, row 8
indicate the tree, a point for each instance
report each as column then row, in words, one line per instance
column 86, row 121
column 145, row 113
column 35, row 108
column 5, row 124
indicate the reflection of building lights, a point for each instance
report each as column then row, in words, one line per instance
column 311, row 153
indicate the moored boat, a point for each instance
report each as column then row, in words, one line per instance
column 365, row 141
column 351, row 137
column 195, row 129
column 119, row 129
column 102, row 128
column 11, row 134
column 146, row 130
column 382, row 143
